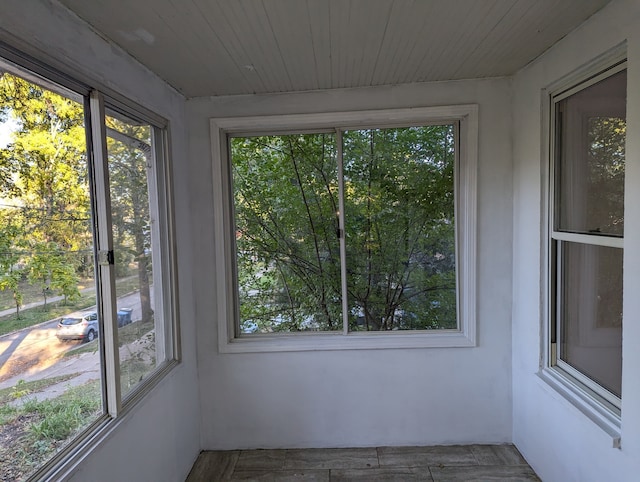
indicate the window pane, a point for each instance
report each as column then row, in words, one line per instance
column 130, row 159
column 400, row 228
column 592, row 312
column 590, row 171
column 50, row 373
column 285, row 192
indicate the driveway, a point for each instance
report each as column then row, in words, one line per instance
column 35, row 352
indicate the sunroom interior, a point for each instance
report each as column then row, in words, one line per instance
column 503, row 74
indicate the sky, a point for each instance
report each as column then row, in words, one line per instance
column 6, row 128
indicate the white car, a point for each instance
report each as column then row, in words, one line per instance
column 78, row 326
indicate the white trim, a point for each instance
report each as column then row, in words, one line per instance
column 591, row 239
column 106, row 272
column 466, row 116
column 352, row 341
column 589, row 384
column 595, row 402
column 585, row 401
column 582, row 74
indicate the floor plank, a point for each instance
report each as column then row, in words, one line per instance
column 426, row 456
column 331, row 458
column 382, row 464
column 213, row 466
column 282, row 475
column 382, row 474
column 497, row 455
column 511, row 473
column 261, row 459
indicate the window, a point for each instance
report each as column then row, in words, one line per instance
column 587, row 236
column 350, row 225
column 85, row 265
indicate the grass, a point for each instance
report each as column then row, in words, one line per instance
column 32, row 293
column 89, row 347
column 134, row 331
column 62, row 416
column 23, row 388
column 36, row 430
column 126, row 285
column 32, row 432
column 40, row 314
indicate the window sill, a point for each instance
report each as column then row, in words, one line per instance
column 582, row 399
column 351, row 341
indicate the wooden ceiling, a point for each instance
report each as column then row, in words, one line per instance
column 226, row 47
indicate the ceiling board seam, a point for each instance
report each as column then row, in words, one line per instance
column 382, row 42
column 484, row 38
column 225, row 47
column 313, row 47
column 275, row 39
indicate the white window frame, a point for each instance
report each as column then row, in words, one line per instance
column 115, row 406
column 466, row 117
column 595, row 402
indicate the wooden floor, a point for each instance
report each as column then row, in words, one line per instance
column 439, row 463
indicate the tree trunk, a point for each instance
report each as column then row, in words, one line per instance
column 143, row 279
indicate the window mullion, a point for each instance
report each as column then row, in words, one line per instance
column 341, row 234
column 106, row 267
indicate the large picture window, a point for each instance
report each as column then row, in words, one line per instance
column 86, row 289
column 586, row 235
column 340, row 229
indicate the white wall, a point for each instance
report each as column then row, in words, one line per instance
column 560, row 442
column 159, row 439
column 364, row 397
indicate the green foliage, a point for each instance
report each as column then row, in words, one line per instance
column 59, row 421
column 10, row 270
column 19, row 389
column 606, row 137
column 64, row 279
column 60, row 417
column 45, row 426
column 130, row 159
column 399, row 227
column 286, row 204
column 44, row 219
column 23, row 388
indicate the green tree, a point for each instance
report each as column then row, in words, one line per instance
column 399, row 229
column 65, row 280
column 42, row 264
column 286, row 215
column 45, row 180
column 129, row 150
column 11, row 272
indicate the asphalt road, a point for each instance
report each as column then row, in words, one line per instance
column 37, row 348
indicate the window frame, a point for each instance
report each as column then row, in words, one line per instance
column 466, row 117
column 96, row 98
column 594, row 401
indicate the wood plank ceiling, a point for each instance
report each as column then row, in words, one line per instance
column 225, row 47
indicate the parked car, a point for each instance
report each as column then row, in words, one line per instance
column 78, row 326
